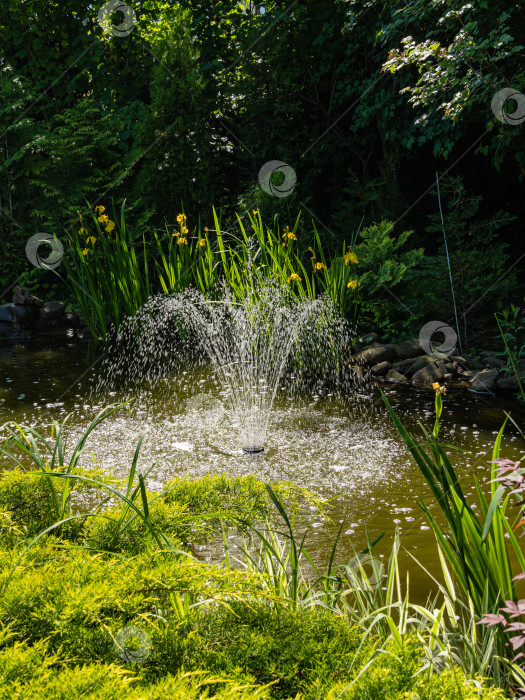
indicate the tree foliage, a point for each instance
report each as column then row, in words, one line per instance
column 365, row 99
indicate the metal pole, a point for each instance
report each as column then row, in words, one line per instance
column 448, row 261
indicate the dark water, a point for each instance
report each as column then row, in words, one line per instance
column 347, row 449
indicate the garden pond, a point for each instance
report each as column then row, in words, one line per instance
column 348, row 451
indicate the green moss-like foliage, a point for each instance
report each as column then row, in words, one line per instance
column 243, row 496
column 62, row 611
column 186, row 511
column 30, row 503
column 27, row 500
column 28, row 672
column 197, row 630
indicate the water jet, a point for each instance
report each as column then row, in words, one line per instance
column 255, row 340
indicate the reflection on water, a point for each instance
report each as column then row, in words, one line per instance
column 346, row 450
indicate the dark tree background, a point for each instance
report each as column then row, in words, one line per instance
column 365, row 99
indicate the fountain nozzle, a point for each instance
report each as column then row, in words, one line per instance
column 255, row 450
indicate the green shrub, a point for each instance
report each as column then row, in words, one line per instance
column 293, row 649
column 244, row 497
column 187, row 511
column 395, row 676
column 29, row 502
column 27, row 672
column 78, row 600
column 107, row 532
column 183, row 512
column 62, row 609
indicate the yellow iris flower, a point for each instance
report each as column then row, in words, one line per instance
column 350, row 257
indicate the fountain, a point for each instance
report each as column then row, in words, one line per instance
column 254, row 341
column 248, row 343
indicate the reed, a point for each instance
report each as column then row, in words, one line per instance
column 107, row 270
column 111, row 273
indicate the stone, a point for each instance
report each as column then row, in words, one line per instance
column 24, row 317
column 448, row 376
column 52, row 309
column 473, row 362
column 24, row 297
column 371, row 337
column 460, row 361
column 484, row 382
column 397, row 377
column 375, row 355
column 450, row 368
column 508, row 384
column 6, row 313
column 45, row 324
column 494, row 361
column 460, row 370
column 380, row 369
column 490, row 358
column 411, row 348
column 426, row 376
column 85, row 334
column 440, row 356
column 410, row 367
